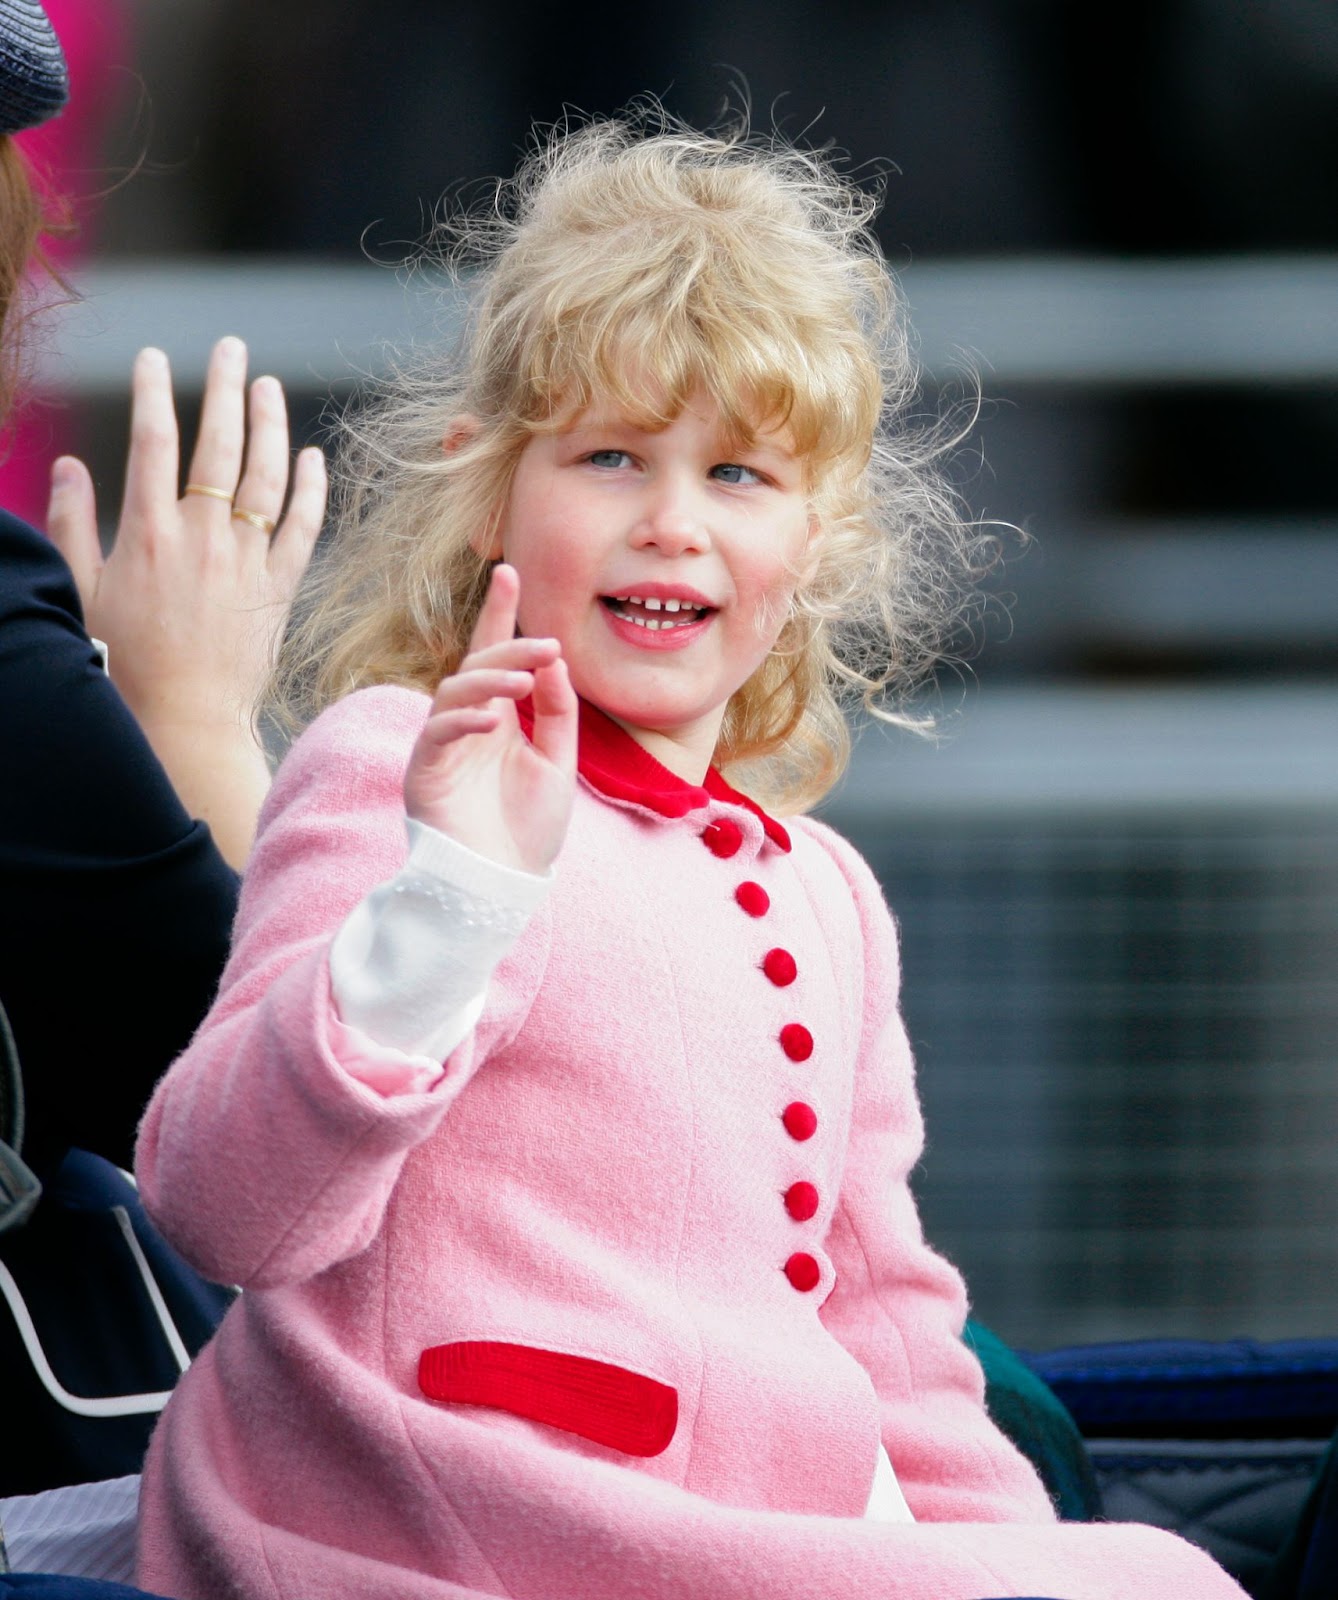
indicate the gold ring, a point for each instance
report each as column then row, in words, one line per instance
column 255, row 520
column 208, row 488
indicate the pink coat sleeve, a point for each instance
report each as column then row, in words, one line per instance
column 897, row 1306
column 270, row 1148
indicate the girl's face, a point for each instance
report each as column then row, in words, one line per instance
column 662, row 562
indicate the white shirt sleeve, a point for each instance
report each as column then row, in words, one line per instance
column 887, row 1503
column 410, row 966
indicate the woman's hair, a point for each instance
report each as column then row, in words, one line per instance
column 22, row 220
column 634, row 263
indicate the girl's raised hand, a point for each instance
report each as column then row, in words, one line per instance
column 473, row 774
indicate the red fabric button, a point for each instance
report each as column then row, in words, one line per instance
column 779, row 967
column 801, row 1121
column 753, row 898
column 723, row 837
column 802, row 1271
column 796, row 1041
column 801, row 1201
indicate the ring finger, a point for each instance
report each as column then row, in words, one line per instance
column 259, row 501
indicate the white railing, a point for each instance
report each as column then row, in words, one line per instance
column 1070, row 322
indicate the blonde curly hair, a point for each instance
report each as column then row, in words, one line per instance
column 637, row 262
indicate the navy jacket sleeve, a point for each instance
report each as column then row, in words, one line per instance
column 115, row 908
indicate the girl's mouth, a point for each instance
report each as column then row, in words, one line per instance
column 655, row 615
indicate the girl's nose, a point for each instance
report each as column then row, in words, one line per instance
column 673, row 522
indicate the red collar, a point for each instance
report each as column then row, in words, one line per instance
column 611, row 761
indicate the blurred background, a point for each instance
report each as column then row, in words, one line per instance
column 1117, row 875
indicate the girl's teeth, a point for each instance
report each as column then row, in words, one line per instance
column 655, row 623
column 692, row 613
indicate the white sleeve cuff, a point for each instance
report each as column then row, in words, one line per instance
column 410, row 966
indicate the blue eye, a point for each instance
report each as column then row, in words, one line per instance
column 734, row 472
column 608, row 458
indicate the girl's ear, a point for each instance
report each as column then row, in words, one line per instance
column 460, row 431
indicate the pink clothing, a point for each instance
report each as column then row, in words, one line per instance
column 601, row 1192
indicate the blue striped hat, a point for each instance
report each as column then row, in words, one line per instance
column 34, row 82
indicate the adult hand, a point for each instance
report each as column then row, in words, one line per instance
column 192, row 600
column 473, row 774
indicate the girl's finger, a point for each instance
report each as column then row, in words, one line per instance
column 497, row 617
column 478, row 687
column 265, row 478
column 555, row 716
column 291, row 547
column 446, row 727
column 521, row 655
column 150, row 495
column 217, row 458
column 72, row 524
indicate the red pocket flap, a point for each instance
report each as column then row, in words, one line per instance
column 606, row 1404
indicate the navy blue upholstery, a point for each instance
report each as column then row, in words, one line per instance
column 1197, row 1389
column 1227, row 1443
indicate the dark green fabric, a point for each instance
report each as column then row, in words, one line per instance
column 1038, row 1423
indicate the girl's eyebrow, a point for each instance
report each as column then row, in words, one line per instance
column 776, row 449
column 584, row 421
column 604, row 428
column 765, row 448
column 774, row 454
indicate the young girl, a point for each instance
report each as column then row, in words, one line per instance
column 561, row 1147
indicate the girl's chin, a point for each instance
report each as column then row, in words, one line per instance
column 652, row 720
column 637, row 717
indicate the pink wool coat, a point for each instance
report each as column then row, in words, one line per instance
column 620, row 1303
